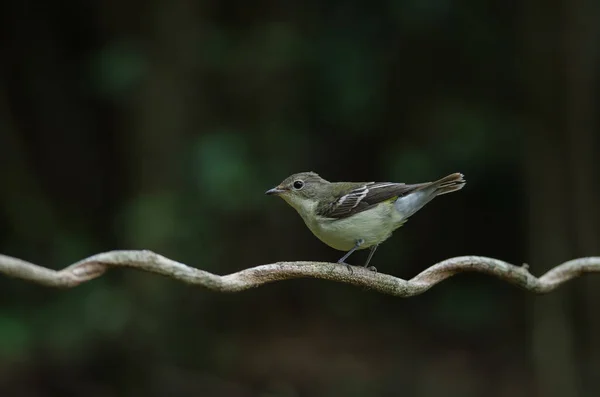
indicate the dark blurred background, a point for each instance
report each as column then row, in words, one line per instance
column 159, row 125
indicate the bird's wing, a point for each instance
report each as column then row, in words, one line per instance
column 362, row 197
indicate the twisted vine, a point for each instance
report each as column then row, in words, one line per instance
column 94, row 266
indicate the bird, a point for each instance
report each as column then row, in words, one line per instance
column 351, row 216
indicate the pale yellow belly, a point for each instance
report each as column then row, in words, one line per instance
column 373, row 226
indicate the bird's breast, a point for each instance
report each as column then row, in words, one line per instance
column 374, row 226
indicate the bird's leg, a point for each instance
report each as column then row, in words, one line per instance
column 371, row 252
column 357, row 244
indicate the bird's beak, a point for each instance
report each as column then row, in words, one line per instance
column 275, row 191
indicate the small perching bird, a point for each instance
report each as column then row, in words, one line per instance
column 350, row 216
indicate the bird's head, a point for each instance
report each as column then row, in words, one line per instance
column 301, row 190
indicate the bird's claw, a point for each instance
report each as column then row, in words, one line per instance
column 372, row 268
column 347, row 265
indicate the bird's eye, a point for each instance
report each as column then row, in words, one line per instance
column 298, row 184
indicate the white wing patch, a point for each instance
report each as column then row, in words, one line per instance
column 360, row 193
column 382, row 185
column 354, row 198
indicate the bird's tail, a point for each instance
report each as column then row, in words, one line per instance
column 447, row 184
column 425, row 192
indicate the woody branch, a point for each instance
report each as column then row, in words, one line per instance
column 94, row 266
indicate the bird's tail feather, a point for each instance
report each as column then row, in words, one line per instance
column 425, row 192
column 448, row 184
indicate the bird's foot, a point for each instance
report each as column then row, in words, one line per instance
column 372, row 268
column 341, row 262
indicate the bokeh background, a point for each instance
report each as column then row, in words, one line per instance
column 159, row 125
